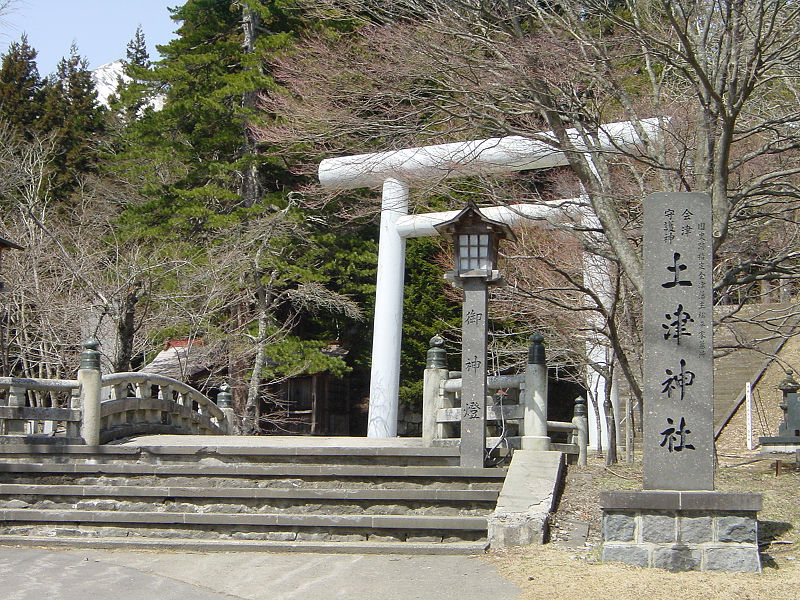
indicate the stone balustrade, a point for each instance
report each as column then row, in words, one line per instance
column 43, row 410
column 139, row 403
column 519, row 410
column 95, row 409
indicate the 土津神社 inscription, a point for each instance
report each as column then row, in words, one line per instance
column 678, row 368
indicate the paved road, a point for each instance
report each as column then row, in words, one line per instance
column 33, row 574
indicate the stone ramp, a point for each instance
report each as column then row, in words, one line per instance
column 528, row 498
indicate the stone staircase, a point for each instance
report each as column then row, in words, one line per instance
column 752, row 328
column 264, row 498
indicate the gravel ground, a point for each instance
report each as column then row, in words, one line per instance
column 554, row 572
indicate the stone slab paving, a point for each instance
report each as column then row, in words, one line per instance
column 270, row 441
column 32, row 574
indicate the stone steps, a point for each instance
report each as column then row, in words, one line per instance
column 243, row 498
column 184, row 455
column 379, row 501
column 255, row 493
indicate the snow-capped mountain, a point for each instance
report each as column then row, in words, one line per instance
column 106, row 79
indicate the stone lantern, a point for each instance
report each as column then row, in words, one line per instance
column 476, row 240
column 788, row 386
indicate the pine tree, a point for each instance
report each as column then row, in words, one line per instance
column 134, row 92
column 72, row 111
column 20, row 86
column 136, row 53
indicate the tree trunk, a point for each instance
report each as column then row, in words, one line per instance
column 250, row 421
column 251, row 418
column 237, row 368
column 126, row 328
column 250, row 190
column 611, row 421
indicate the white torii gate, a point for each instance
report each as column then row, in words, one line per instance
column 394, row 172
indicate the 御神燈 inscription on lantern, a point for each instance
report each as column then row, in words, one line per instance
column 472, row 410
column 473, row 318
column 473, row 364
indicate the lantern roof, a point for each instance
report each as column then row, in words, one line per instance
column 470, row 217
column 4, row 243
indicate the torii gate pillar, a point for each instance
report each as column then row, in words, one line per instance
column 384, row 383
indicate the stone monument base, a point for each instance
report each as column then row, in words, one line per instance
column 682, row 531
column 785, row 444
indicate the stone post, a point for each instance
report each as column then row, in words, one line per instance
column 678, row 522
column 16, row 398
column 473, row 372
column 581, row 422
column 225, row 404
column 89, row 381
column 435, row 374
column 74, row 428
column 535, row 416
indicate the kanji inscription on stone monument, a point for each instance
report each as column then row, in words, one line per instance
column 678, row 368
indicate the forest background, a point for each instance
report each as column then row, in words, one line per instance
column 188, row 209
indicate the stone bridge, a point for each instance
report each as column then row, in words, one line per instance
column 96, row 409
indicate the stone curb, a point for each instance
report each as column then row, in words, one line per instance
column 132, row 491
column 192, row 545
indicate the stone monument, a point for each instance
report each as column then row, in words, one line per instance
column 678, row 522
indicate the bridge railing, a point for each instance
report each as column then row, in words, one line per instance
column 143, row 403
column 40, row 408
column 95, row 409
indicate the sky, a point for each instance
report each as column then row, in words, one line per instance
column 100, row 28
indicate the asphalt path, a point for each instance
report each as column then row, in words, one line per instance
column 36, row 573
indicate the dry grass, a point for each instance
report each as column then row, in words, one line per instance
column 551, row 573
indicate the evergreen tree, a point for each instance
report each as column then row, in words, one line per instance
column 200, row 139
column 72, row 111
column 136, row 54
column 20, row 86
column 208, row 184
column 134, row 93
column 427, row 311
